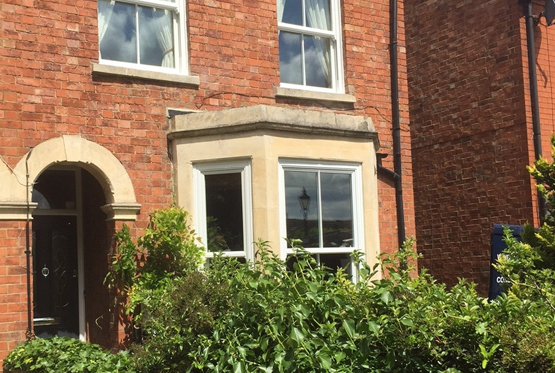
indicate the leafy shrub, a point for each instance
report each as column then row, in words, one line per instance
column 147, row 272
column 59, row 354
column 186, row 313
column 264, row 317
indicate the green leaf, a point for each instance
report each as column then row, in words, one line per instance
column 386, row 297
column 373, row 327
column 325, row 360
column 239, row 367
column 296, row 335
column 407, row 321
column 349, row 326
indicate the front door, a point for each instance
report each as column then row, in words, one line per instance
column 56, row 282
column 57, row 254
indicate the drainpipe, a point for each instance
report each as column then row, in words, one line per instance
column 530, row 24
column 395, row 175
column 29, row 334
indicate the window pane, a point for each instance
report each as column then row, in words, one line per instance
column 336, row 261
column 55, row 189
column 120, row 41
column 332, row 261
column 293, row 12
column 317, row 61
column 156, row 37
column 302, row 208
column 337, row 211
column 318, row 14
column 290, row 64
column 224, row 214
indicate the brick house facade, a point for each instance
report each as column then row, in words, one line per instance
column 91, row 138
column 472, row 127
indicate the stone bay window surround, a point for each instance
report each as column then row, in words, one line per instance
column 271, row 150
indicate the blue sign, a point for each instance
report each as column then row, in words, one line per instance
column 497, row 246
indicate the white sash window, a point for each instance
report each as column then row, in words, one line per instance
column 321, row 204
column 144, row 34
column 310, row 45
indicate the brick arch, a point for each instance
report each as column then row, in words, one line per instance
column 99, row 161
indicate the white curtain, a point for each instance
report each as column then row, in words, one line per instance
column 317, row 13
column 280, row 7
column 163, row 29
column 105, row 11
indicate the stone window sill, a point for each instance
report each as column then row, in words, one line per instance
column 315, row 96
column 102, row 69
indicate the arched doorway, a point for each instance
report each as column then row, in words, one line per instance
column 70, row 251
column 84, row 189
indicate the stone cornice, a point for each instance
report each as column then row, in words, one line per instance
column 16, row 210
column 121, row 211
column 271, row 118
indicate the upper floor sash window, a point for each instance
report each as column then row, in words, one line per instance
column 310, row 45
column 145, row 34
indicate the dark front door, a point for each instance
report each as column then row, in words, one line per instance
column 56, row 301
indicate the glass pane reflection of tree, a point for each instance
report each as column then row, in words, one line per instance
column 332, row 261
column 300, row 225
column 224, row 212
column 328, row 222
column 337, row 211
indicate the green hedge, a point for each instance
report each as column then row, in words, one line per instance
column 65, row 355
column 266, row 318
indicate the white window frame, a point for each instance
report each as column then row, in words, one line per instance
column 336, row 58
column 353, row 169
column 230, row 167
column 179, row 38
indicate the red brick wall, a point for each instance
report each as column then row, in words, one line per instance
column 47, row 90
column 471, row 131
column 13, row 285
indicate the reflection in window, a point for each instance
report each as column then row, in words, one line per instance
column 308, row 43
column 328, row 220
column 55, row 189
column 132, row 33
column 223, row 216
column 332, row 261
column 322, row 211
